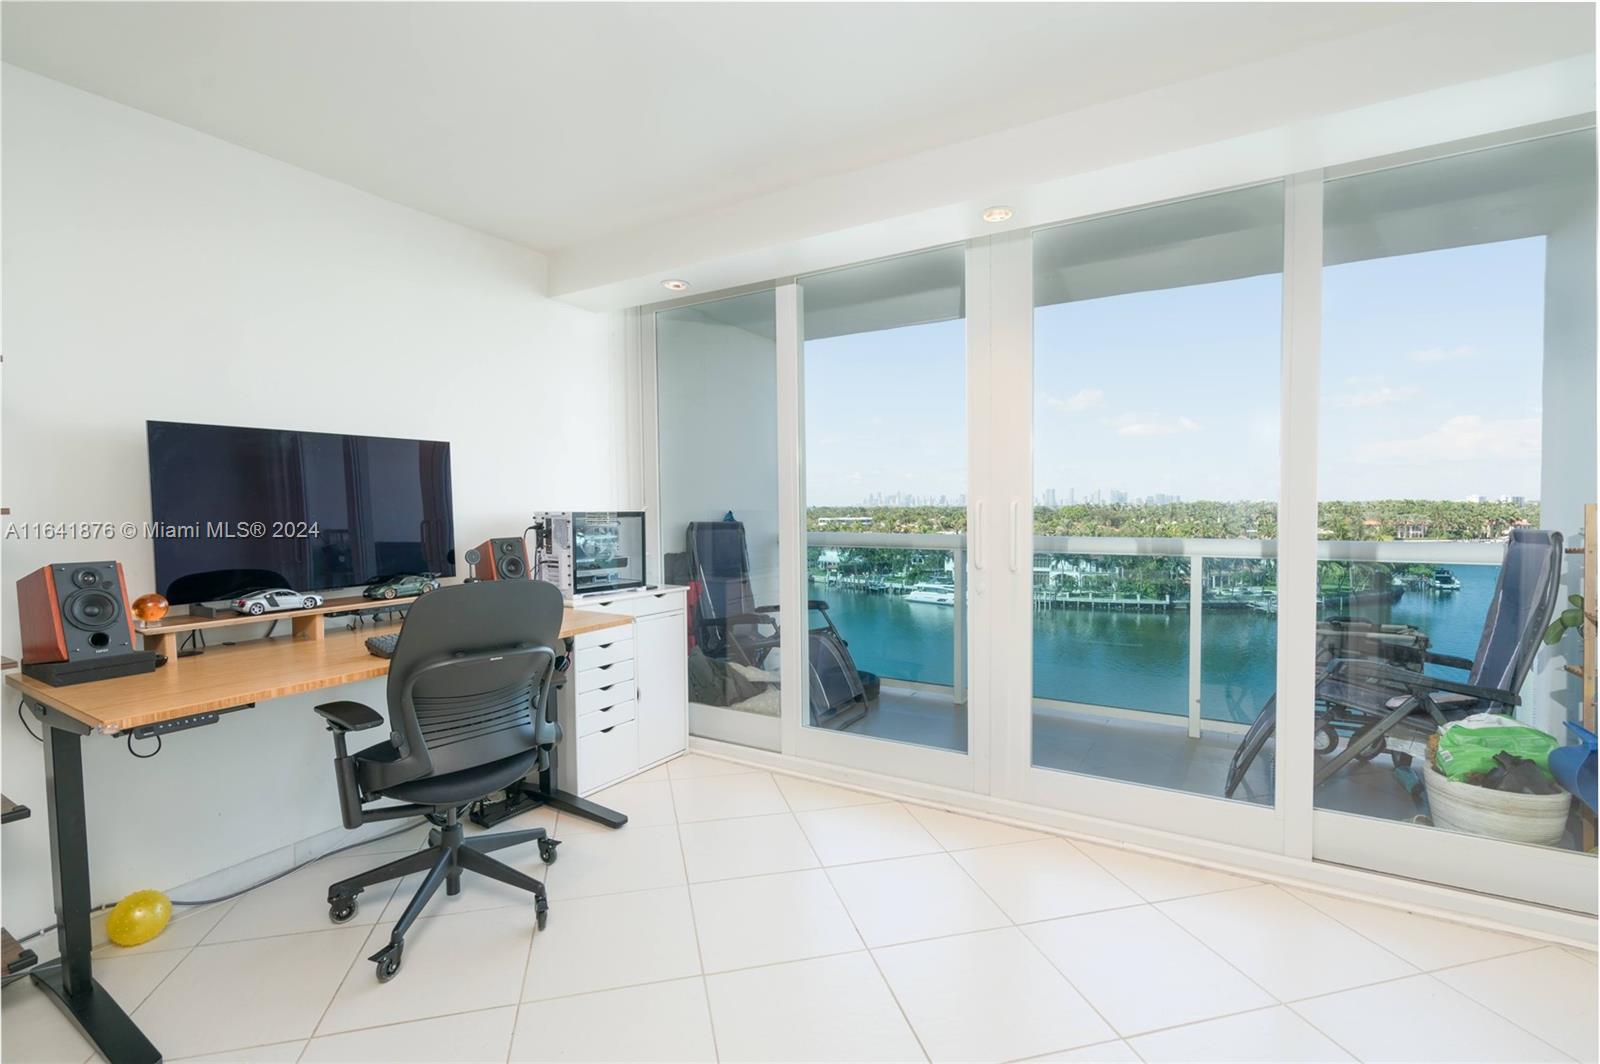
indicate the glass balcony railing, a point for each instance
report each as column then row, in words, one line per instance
column 1113, row 623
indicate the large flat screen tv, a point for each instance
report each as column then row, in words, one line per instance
column 240, row 509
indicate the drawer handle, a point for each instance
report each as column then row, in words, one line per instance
column 607, row 687
column 606, row 731
column 603, row 668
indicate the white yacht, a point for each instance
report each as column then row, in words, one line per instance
column 937, row 594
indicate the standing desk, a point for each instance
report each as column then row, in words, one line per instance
column 233, row 677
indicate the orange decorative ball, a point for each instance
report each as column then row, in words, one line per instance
column 151, row 607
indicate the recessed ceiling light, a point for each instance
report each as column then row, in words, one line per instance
column 675, row 285
column 998, row 214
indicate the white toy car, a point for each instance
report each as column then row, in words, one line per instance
column 279, row 598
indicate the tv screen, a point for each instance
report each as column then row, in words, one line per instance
column 240, row 510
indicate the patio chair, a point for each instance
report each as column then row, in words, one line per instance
column 729, row 625
column 1368, row 701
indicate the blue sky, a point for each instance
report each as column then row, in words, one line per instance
column 1431, row 389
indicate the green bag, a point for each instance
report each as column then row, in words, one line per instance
column 1467, row 747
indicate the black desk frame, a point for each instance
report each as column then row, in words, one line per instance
column 70, row 981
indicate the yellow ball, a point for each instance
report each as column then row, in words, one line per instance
column 138, row 918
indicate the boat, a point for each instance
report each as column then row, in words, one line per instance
column 1444, row 580
column 935, row 594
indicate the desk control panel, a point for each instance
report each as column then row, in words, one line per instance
column 177, row 724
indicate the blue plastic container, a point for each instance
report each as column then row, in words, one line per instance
column 1574, row 766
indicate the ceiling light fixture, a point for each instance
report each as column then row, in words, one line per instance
column 998, row 214
column 675, row 285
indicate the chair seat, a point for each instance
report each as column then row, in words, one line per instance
column 455, row 788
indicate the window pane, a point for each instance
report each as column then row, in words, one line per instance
column 886, row 482
column 717, row 402
column 1457, row 432
column 1157, row 339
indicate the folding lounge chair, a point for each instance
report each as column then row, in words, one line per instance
column 1368, row 700
column 729, row 625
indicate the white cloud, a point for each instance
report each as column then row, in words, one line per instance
column 1134, row 425
column 1442, row 354
column 1376, row 397
column 1467, row 437
column 1077, row 402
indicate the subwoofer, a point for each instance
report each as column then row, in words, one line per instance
column 75, row 624
column 501, row 559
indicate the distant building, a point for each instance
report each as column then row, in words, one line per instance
column 1409, row 528
column 1477, row 498
column 1050, row 497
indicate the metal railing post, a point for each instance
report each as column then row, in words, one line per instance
column 1196, row 610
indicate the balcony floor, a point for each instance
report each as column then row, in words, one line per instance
column 1148, row 753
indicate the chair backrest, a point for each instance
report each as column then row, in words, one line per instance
column 470, row 676
column 719, row 565
column 1524, row 596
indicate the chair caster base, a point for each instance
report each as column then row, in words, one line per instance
column 541, row 913
column 340, row 910
column 547, row 850
column 388, row 961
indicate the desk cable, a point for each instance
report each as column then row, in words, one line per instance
column 407, row 826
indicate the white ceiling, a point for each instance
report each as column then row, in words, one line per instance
column 552, row 124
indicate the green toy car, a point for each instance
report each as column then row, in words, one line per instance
column 398, row 586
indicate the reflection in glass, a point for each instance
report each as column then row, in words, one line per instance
column 717, row 390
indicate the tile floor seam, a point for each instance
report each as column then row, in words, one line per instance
column 1207, row 946
column 694, row 923
column 872, row 957
column 527, row 961
column 1491, row 1007
column 1534, row 944
column 322, row 1017
column 1075, row 989
column 1560, row 1056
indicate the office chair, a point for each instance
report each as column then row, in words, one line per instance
column 469, row 714
column 730, row 626
column 1366, row 699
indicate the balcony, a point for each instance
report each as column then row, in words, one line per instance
column 1129, row 681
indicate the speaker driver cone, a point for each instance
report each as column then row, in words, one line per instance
column 91, row 608
column 511, row 566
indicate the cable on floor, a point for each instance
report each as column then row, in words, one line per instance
column 402, row 829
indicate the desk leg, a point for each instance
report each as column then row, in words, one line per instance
column 70, row 981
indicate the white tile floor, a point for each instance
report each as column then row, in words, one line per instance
column 747, row 916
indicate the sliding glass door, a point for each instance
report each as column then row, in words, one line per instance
column 1206, row 519
column 1457, row 452
column 716, row 384
column 883, row 388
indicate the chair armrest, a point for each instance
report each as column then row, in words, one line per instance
column 349, row 716
column 1448, row 660
column 1420, row 683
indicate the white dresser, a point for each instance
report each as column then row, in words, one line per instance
column 625, row 705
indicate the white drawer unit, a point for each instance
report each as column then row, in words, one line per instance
column 606, row 756
column 602, row 675
column 610, row 695
column 601, row 719
column 624, row 706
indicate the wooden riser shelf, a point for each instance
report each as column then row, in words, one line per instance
column 162, row 636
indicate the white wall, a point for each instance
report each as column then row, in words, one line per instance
column 151, row 271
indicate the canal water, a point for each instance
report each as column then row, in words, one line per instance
column 1140, row 660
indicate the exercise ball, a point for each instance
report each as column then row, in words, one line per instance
column 138, row 918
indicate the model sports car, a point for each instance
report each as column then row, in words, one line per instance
column 398, row 586
column 274, row 599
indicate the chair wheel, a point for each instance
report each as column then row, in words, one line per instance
column 388, row 964
column 543, row 917
column 547, row 850
column 1326, row 740
column 342, row 910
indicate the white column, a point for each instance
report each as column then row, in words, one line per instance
column 1297, row 506
column 793, row 699
column 1197, row 570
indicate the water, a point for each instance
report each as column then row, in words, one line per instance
column 1141, row 660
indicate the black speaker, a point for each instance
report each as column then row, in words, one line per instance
column 501, row 559
column 75, row 624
